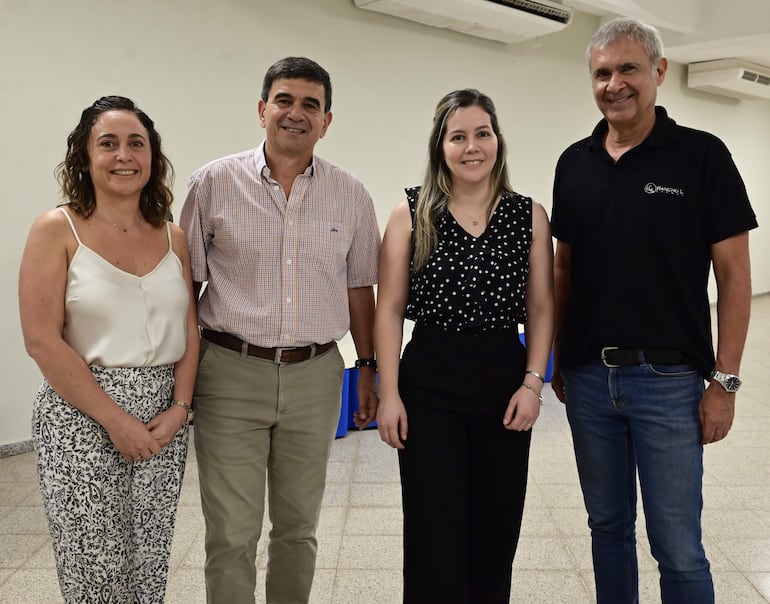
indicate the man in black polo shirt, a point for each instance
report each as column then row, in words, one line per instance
column 642, row 209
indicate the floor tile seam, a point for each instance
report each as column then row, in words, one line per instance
column 716, row 545
column 748, row 574
column 745, row 575
column 7, row 579
column 348, row 505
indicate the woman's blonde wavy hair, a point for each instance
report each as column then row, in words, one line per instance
column 437, row 184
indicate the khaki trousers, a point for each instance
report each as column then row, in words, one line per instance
column 256, row 419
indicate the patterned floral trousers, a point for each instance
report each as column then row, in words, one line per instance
column 111, row 520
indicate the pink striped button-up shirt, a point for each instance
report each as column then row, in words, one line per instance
column 277, row 270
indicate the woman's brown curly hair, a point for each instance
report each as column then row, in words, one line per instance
column 75, row 179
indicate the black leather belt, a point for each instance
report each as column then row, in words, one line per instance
column 277, row 355
column 627, row 357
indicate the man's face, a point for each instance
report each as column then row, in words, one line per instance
column 625, row 83
column 293, row 116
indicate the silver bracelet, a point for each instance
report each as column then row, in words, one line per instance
column 187, row 407
column 537, row 394
column 536, row 374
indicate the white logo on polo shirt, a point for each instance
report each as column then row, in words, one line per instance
column 651, row 188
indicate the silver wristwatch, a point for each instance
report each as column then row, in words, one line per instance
column 728, row 381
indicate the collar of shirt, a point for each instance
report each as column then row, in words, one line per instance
column 663, row 133
column 264, row 170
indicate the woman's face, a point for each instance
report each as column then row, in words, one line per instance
column 470, row 145
column 119, row 153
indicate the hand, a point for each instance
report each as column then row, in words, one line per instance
column 557, row 384
column 367, row 398
column 132, row 439
column 717, row 411
column 391, row 422
column 523, row 410
column 166, row 425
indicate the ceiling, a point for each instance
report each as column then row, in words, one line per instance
column 697, row 30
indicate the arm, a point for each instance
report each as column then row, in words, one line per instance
column 166, row 424
column 361, row 304
column 732, row 270
column 42, row 287
column 561, row 284
column 362, row 270
column 392, row 295
column 524, row 407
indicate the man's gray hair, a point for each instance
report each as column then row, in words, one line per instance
column 631, row 29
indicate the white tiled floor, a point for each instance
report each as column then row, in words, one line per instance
column 360, row 532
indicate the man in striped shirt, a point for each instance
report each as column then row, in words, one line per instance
column 287, row 245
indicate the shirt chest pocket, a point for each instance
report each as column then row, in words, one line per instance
column 323, row 246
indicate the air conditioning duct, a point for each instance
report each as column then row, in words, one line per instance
column 507, row 21
column 730, row 77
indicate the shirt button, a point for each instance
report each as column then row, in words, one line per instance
column 288, row 261
column 288, row 299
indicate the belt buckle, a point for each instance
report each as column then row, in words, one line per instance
column 604, row 358
column 279, row 353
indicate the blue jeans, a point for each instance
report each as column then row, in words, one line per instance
column 642, row 418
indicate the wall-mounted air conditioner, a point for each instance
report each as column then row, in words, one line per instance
column 730, row 77
column 506, row 21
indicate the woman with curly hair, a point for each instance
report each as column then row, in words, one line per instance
column 108, row 314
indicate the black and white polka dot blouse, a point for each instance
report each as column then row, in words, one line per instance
column 475, row 283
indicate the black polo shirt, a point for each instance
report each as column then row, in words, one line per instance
column 640, row 231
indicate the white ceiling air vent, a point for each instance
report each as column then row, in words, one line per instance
column 506, row 21
column 730, row 77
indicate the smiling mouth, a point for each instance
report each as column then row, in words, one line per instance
column 124, row 172
column 293, row 130
column 473, row 162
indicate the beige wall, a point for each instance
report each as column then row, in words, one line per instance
column 195, row 66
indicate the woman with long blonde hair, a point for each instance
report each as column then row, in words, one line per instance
column 468, row 260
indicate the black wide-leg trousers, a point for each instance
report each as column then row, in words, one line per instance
column 463, row 475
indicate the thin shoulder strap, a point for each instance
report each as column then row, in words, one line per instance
column 72, row 224
column 168, row 232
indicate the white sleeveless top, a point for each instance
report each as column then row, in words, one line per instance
column 115, row 319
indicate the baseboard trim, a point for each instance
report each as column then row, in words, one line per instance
column 24, row 446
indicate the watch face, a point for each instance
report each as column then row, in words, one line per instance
column 732, row 383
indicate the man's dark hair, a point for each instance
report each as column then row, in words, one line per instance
column 300, row 68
